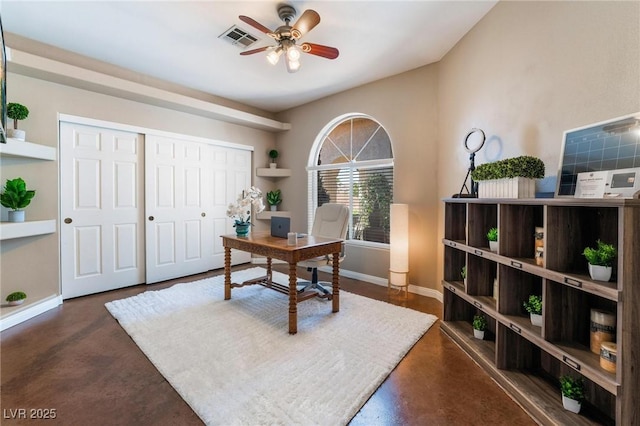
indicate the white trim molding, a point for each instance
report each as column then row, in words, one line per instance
column 29, row 312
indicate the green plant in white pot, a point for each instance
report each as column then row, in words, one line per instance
column 492, row 236
column 479, row 326
column 16, row 298
column 600, row 260
column 273, row 199
column 533, row 305
column 572, row 393
column 16, row 112
column 16, row 197
column 273, row 154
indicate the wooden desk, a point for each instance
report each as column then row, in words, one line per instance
column 262, row 243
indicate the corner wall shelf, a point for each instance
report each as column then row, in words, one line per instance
column 267, row 214
column 268, row 172
column 10, row 230
column 17, row 148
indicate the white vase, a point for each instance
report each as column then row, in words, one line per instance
column 600, row 273
column 16, row 302
column 274, row 208
column 493, row 246
column 571, row 404
column 536, row 320
column 16, row 215
column 273, row 165
column 16, row 134
column 478, row 334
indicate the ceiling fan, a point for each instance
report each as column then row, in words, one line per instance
column 286, row 36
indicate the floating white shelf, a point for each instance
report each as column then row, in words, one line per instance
column 17, row 148
column 268, row 172
column 9, row 230
column 267, row 214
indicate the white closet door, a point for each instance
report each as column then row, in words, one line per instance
column 178, row 195
column 231, row 175
column 101, row 203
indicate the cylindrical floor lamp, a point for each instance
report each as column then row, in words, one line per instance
column 399, row 248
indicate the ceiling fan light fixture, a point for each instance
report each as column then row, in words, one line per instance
column 292, row 66
column 293, row 53
column 274, row 56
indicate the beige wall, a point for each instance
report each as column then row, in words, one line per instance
column 405, row 105
column 32, row 264
column 527, row 72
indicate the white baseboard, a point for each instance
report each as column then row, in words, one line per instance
column 423, row 291
column 30, row 312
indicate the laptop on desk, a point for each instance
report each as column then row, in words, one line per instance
column 281, row 226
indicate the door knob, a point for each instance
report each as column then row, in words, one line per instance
column 68, row 220
column 151, row 218
column 203, row 214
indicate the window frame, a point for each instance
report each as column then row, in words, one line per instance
column 312, row 169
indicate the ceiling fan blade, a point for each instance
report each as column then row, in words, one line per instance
column 255, row 24
column 251, row 52
column 320, row 50
column 306, row 23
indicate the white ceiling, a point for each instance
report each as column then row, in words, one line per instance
column 178, row 41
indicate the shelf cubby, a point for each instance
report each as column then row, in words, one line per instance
column 455, row 217
column 525, row 218
column 481, row 218
column 569, row 229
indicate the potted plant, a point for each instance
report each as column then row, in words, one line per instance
column 273, row 199
column 16, row 197
column 16, row 112
column 273, row 154
column 572, row 393
column 492, row 236
column 240, row 210
column 16, row 298
column 479, row 326
column 509, row 178
column 534, row 307
column 463, row 274
column 600, row 260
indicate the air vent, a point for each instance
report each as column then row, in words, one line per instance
column 238, row 37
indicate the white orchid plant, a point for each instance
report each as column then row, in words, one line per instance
column 240, row 211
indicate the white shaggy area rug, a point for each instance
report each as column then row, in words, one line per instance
column 235, row 363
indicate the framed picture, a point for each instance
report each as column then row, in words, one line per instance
column 609, row 145
column 3, row 88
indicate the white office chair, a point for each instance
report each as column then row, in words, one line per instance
column 331, row 221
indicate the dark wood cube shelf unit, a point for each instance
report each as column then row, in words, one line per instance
column 527, row 360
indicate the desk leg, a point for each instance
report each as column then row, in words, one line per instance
column 293, row 300
column 336, row 283
column 227, row 273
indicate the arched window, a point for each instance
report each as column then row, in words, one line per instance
column 351, row 163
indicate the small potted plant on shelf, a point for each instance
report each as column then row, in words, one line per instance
column 600, row 260
column 273, row 199
column 479, row 326
column 492, row 236
column 572, row 393
column 463, row 274
column 534, row 306
column 16, row 112
column 273, row 154
column 16, row 197
column 16, row 298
